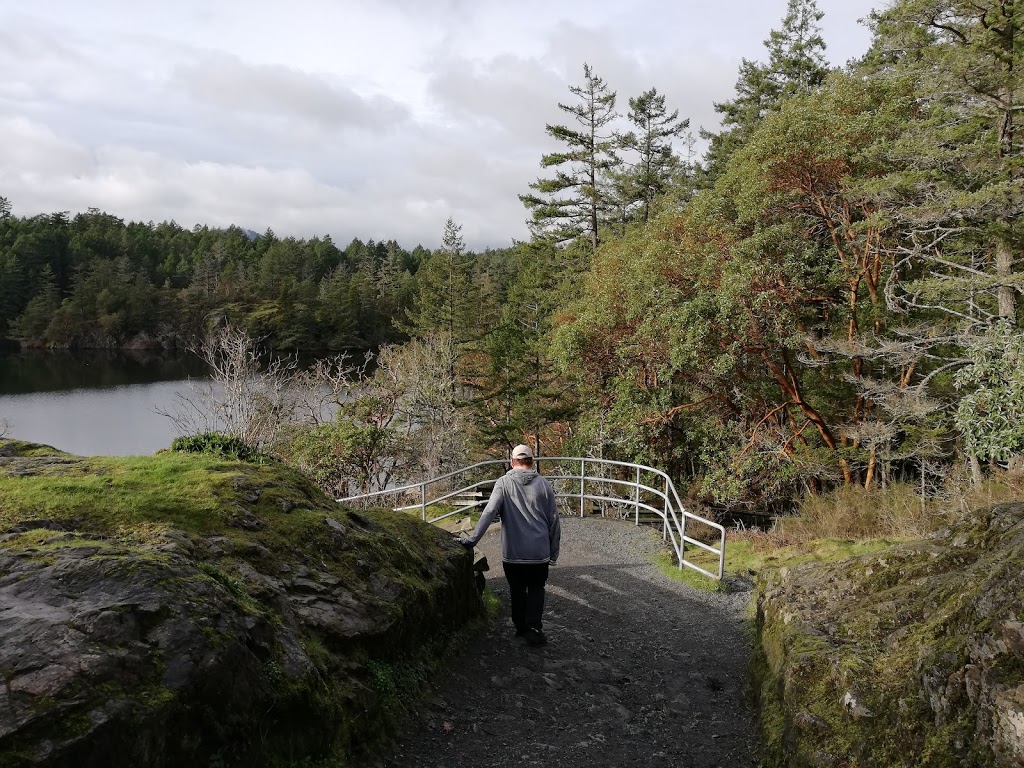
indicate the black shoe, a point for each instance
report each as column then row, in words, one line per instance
column 521, row 632
column 535, row 636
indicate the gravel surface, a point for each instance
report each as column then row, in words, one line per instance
column 638, row 670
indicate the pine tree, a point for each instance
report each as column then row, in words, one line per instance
column 796, row 65
column 447, row 296
column 957, row 188
column 651, row 174
column 31, row 325
column 572, row 205
column 520, row 394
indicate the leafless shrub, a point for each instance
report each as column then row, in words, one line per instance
column 418, row 378
column 319, row 391
column 243, row 397
column 350, row 430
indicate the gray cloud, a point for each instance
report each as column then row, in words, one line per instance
column 226, row 82
column 507, row 93
column 407, row 200
column 368, row 119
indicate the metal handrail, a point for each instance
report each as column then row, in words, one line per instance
column 674, row 515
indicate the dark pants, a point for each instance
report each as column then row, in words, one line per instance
column 526, row 593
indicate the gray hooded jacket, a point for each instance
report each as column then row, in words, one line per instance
column 530, row 531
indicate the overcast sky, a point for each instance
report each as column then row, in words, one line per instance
column 355, row 118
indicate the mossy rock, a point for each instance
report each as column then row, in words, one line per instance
column 913, row 656
column 183, row 609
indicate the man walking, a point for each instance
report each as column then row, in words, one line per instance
column 530, row 538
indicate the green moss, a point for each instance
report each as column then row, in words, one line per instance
column 163, row 513
column 235, row 586
column 44, row 539
column 22, row 449
column 879, row 626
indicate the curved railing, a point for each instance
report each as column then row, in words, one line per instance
column 647, row 492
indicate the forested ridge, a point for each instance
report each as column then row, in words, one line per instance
column 95, row 281
column 830, row 297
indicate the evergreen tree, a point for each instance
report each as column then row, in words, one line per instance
column 651, row 174
column 31, row 325
column 447, row 297
column 520, row 394
column 12, row 288
column 957, row 184
column 796, row 65
column 572, row 205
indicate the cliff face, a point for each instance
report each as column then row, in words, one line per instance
column 232, row 616
column 910, row 657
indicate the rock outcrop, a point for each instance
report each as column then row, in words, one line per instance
column 269, row 627
column 909, row 657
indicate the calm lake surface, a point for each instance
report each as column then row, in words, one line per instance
column 94, row 402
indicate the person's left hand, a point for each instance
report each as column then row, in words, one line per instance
column 465, row 542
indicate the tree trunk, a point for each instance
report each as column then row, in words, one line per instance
column 870, row 475
column 1006, row 293
column 976, row 475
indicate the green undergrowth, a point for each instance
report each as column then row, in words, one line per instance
column 847, row 522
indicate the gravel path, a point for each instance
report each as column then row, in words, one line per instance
column 638, row 670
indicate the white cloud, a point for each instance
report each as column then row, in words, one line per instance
column 368, row 118
column 225, row 82
column 43, row 173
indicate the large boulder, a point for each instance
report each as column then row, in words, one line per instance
column 910, row 657
column 185, row 611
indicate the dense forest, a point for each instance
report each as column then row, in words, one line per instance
column 829, row 297
column 94, row 281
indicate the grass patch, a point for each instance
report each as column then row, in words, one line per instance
column 844, row 523
column 142, row 498
column 668, row 564
column 896, row 512
column 119, row 491
column 747, row 553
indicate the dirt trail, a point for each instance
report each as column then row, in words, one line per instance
column 638, row 670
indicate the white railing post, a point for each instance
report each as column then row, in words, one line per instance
column 636, row 496
column 668, row 508
column 682, row 540
column 423, row 500
column 583, row 475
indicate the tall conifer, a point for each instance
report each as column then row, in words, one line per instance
column 572, row 205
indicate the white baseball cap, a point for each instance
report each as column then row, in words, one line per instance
column 522, row 452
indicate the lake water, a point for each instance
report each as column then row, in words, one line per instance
column 94, row 403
